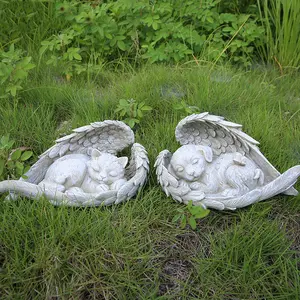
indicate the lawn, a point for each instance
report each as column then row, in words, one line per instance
column 133, row 250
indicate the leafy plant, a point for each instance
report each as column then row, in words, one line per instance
column 185, row 109
column 12, row 161
column 132, row 112
column 190, row 214
column 14, row 69
column 157, row 31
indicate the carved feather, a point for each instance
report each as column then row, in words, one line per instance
column 136, row 174
column 223, row 137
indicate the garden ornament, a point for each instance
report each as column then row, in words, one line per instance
column 219, row 166
column 82, row 168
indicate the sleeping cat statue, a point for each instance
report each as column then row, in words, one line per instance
column 230, row 174
column 80, row 173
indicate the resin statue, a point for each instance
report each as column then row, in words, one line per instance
column 82, row 169
column 219, row 166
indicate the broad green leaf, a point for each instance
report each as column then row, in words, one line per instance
column 26, row 155
column 175, row 218
column 210, row 19
column 121, row 45
column 16, row 154
column 118, row 109
column 10, row 144
column 194, row 210
column 26, row 60
column 29, row 67
column 19, row 166
column 20, row 74
column 202, row 214
column 26, row 169
column 123, row 102
column 4, row 139
column 140, row 114
column 155, row 25
column 192, row 222
column 10, row 164
column 77, row 56
column 13, row 90
column 108, row 35
column 131, row 123
column 183, row 221
column 146, row 108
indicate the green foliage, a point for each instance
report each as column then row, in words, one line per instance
column 189, row 215
column 281, row 21
column 12, row 161
column 162, row 31
column 185, row 109
column 132, row 112
column 14, row 69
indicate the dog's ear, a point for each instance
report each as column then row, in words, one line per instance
column 207, row 152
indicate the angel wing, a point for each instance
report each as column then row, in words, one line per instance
column 136, row 173
column 169, row 183
column 107, row 136
column 224, row 137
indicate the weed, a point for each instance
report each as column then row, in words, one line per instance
column 12, row 161
column 189, row 215
column 14, row 69
column 132, row 112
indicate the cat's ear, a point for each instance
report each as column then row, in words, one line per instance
column 95, row 153
column 207, row 152
column 123, row 161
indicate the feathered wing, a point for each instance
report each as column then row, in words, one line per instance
column 107, row 136
column 136, row 173
column 224, row 137
column 168, row 182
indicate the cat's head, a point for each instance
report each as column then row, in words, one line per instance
column 190, row 161
column 106, row 168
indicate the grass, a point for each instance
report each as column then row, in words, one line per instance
column 133, row 251
column 282, row 43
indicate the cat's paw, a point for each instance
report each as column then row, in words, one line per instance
column 118, row 184
column 102, row 188
column 74, row 192
column 195, row 186
column 195, row 196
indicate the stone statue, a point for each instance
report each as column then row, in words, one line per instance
column 219, row 166
column 78, row 172
column 82, row 169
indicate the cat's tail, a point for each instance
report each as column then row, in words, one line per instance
column 30, row 190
